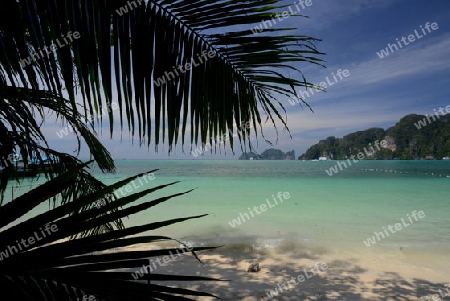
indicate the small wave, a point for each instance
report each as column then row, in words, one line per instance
column 251, row 244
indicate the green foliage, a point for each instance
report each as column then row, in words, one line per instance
column 134, row 49
column 20, row 133
column 247, row 156
column 126, row 52
column 429, row 140
column 272, row 154
column 290, row 155
column 269, row 154
column 410, row 142
column 52, row 267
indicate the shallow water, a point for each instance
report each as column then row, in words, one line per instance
column 323, row 214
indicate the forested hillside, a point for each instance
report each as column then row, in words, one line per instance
column 413, row 137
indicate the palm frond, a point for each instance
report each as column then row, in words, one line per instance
column 135, row 45
column 85, row 265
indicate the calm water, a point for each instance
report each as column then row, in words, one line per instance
column 323, row 214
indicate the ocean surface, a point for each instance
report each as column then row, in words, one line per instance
column 324, row 214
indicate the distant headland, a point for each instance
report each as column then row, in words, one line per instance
column 269, row 154
column 413, row 137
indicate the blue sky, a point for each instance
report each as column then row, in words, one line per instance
column 377, row 93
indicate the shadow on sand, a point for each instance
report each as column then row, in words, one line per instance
column 341, row 281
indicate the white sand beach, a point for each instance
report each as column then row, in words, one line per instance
column 344, row 278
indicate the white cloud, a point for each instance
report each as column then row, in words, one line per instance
column 412, row 60
column 324, row 13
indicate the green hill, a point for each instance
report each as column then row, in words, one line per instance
column 269, row 154
column 247, row 156
column 413, row 137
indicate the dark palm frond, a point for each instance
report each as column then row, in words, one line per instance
column 21, row 109
column 79, row 184
column 18, row 109
column 21, row 134
column 51, row 267
column 139, row 43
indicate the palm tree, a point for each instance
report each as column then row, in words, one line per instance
column 138, row 54
column 133, row 45
column 39, row 262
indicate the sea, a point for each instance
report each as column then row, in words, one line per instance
column 395, row 210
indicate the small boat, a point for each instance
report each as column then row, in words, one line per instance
column 29, row 168
column 43, row 164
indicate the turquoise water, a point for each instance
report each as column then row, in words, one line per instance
column 340, row 210
column 323, row 214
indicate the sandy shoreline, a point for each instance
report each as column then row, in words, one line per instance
column 343, row 279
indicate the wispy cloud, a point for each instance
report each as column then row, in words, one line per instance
column 324, row 13
column 420, row 59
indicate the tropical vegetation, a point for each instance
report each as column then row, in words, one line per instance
column 72, row 59
column 413, row 137
column 269, row 154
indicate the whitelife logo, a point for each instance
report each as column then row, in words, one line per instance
column 323, row 85
column 243, row 217
column 187, row 67
column 411, row 38
column 5, row 164
column 334, row 169
column 281, row 16
column 145, row 179
column 11, row 250
column 398, row 226
column 131, row 4
column 49, row 49
column 146, row 269
column 423, row 123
